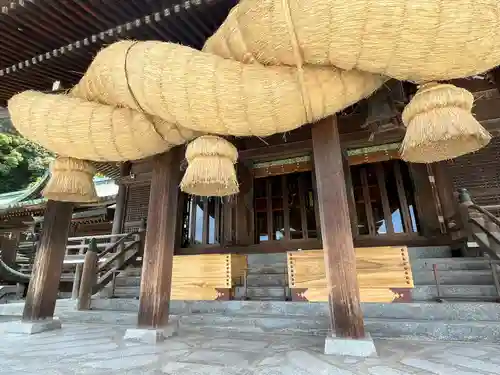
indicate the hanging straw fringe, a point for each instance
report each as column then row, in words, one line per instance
column 440, row 125
column 71, row 180
column 210, row 170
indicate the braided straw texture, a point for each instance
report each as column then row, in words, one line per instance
column 209, row 94
column 418, row 40
column 273, row 66
column 440, row 125
column 211, row 167
column 88, row 130
column 71, row 181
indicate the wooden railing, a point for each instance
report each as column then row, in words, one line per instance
column 99, row 268
column 480, row 225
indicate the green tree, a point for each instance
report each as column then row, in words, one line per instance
column 21, row 162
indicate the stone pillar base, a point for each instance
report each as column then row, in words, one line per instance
column 364, row 347
column 152, row 335
column 31, row 327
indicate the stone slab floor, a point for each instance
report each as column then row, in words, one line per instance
column 100, row 350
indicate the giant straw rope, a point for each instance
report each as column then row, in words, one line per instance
column 273, row 66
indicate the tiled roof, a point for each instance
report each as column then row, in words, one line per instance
column 31, row 199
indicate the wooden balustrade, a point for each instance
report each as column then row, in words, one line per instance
column 99, row 268
column 89, row 277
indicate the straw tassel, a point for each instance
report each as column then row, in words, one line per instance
column 71, row 180
column 210, row 170
column 440, row 125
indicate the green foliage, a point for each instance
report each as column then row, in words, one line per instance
column 21, row 162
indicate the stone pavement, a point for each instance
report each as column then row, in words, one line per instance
column 100, row 350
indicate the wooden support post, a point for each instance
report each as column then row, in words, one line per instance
column 119, row 216
column 44, row 284
column 89, row 276
column 158, row 257
column 8, row 248
column 75, row 291
column 121, row 200
column 340, row 262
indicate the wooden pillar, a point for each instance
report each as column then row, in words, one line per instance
column 78, row 273
column 8, row 246
column 340, row 261
column 44, row 284
column 244, row 207
column 446, row 191
column 89, row 276
column 156, row 276
column 121, row 200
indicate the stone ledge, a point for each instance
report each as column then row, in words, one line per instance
column 350, row 347
column 31, row 327
column 152, row 335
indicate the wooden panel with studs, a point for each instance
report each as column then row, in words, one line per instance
column 384, row 274
column 201, row 277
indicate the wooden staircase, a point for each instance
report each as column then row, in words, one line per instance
column 115, row 252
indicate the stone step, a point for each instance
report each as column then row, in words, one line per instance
column 420, row 310
column 419, row 293
column 136, row 271
column 384, row 328
column 127, row 292
column 262, row 259
column 280, row 268
column 429, row 252
column 455, row 277
column 435, row 330
column 408, row 329
column 267, row 279
column 266, row 292
column 433, row 311
column 128, row 281
column 429, row 292
column 449, row 264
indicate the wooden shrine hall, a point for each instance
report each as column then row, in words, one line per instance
column 334, row 196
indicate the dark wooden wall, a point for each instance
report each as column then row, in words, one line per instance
column 479, row 173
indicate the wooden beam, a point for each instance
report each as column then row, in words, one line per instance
column 340, row 262
column 156, row 278
column 44, row 284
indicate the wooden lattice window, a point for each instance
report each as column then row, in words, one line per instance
column 201, row 221
column 285, row 207
column 384, row 199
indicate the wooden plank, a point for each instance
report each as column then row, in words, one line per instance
column 436, row 199
column 269, row 206
column 227, row 218
column 379, row 170
column 192, row 219
column 44, row 285
column 372, row 295
column 243, row 207
column 303, row 212
column 156, row 278
column 368, row 203
column 402, row 199
column 286, row 209
column 315, row 195
column 445, row 189
column 350, row 195
column 346, row 317
column 206, row 227
column 377, row 267
column 217, row 220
